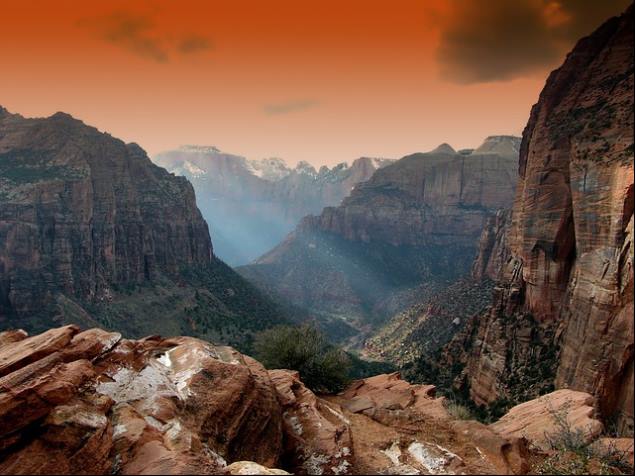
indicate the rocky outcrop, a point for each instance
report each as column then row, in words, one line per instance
column 82, row 211
column 493, row 252
column 546, row 419
column 436, row 198
column 414, row 225
column 564, row 303
column 318, row 436
column 92, row 232
column 400, row 428
column 375, row 396
column 253, row 204
column 92, row 402
column 250, row 468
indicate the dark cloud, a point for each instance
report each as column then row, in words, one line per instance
column 130, row 31
column 289, row 106
column 194, row 44
column 506, row 39
column 137, row 34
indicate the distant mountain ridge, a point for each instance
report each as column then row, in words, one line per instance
column 252, row 204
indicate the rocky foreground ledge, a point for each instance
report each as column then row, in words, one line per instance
column 92, row 402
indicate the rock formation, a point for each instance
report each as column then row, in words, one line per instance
column 252, row 205
column 92, row 232
column 541, row 420
column 562, row 313
column 104, row 404
column 92, row 402
column 407, row 232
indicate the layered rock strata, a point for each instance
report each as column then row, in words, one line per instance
column 564, row 305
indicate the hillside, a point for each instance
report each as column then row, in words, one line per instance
column 92, row 232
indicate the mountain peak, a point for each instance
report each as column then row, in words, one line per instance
column 63, row 116
column 209, row 149
column 506, row 145
column 444, row 148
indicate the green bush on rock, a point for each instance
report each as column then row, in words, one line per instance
column 323, row 367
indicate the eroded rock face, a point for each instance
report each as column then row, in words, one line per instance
column 544, row 420
column 493, row 252
column 439, row 197
column 93, row 403
column 566, row 289
column 376, row 395
column 318, row 436
column 83, row 211
column 102, row 404
column 399, row 428
column 93, row 233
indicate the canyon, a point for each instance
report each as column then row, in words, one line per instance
column 251, row 205
column 498, row 281
column 406, row 233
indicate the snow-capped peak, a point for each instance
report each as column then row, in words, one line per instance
column 272, row 168
column 201, row 149
column 304, row 167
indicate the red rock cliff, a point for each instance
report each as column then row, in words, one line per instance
column 569, row 280
column 81, row 211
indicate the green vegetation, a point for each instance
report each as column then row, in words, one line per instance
column 361, row 368
column 458, row 411
column 210, row 302
column 323, row 368
column 27, row 166
column 529, row 371
column 365, row 282
column 572, row 453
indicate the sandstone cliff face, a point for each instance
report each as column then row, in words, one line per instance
column 437, row 198
column 406, row 233
column 568, row 282
column 252, row 204
column 91, row 231
column 493, row 252
column 82, row 211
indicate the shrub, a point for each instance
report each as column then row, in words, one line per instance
column 459, row 412
column 572, row 453
column 323, row 367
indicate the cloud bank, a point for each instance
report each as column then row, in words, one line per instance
column 501, row 40
column 137, row 34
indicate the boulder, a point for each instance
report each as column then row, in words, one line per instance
column 249, row 468
column 545, row 419
column 620, row 448
column 93, row 403
column 318, row 435
column 383, row 392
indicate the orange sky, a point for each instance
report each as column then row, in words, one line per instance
column 324, row 81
